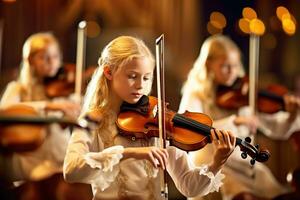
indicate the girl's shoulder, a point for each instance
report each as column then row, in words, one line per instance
column 14, row 87
column 12, row 94
column 14, row 84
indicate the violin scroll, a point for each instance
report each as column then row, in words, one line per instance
column 253, row 151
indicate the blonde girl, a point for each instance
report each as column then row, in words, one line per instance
column 41, row 59
column 219, row 63
column 118, row 167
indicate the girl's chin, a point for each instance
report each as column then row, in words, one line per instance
column 132, row 100
column 229, row 83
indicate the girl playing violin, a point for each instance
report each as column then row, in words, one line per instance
column 219, row 63
column 116, row 166
column 41, row 59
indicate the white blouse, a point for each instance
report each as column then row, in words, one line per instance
column 89, row 161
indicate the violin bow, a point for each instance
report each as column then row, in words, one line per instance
column 80, row 58
column 1, row 40
column 256, row 30
column 159, row 46
column 253, row 71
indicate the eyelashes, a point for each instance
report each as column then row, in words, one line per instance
column 134, row 76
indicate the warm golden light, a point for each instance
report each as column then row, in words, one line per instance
column 257, row 27
column 9, row 1
column 218, row 20
column 280, row 11
column 288, row 26
column 249, row 13
column 285, row 16
column 212, row 29
column 244, row 25
column 288, row 21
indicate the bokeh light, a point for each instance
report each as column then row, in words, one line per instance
column 218, row 20
column 212, row 29
column 249, row 13
column 280, row 11
column 257, row 27
column 244, row 25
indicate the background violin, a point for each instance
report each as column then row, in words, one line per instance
column 63, row 83
column 269, row 100
column 189, row 131
column 22, row 129
column 21, row 136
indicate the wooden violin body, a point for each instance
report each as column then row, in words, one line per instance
column 63, row 83
column 146, row 126
column 189, row 131
column 269, row 100
column 23, row 129
column 18, row 137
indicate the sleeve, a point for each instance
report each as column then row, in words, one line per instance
column 278, row 126
column 275, row 126
column 189, row 102
column 190, row 180
column 12, row 95
column 86, row 160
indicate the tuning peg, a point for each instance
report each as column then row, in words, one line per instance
column 257, row 146
column 248, row 139
column 252, row 161
column 244, row 155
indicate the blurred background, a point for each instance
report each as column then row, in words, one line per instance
column 185, row 23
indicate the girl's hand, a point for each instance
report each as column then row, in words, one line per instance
column 224, row 143
column 70, row 109
column 251, row 122
column 291, row 104
column 157, row 156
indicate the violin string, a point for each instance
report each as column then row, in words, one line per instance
column 201, row 127
column 194, row 124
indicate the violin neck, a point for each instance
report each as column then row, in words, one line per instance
column 190, row 124
column 271, row 96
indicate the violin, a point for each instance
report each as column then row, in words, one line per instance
column 189, row 131
column 22, row 136
column 63, row 83
column 22, row 129
column 269, row 100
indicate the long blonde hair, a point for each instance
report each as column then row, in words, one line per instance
column 117, row 53
column 32, row 45
column 199, row 76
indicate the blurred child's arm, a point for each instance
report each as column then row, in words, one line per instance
column 278, row 125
